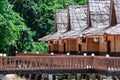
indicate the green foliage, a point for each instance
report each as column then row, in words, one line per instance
column 14, row 34
column 10, row 25
column 38, row 15
column 25, row 40
column 41, row 47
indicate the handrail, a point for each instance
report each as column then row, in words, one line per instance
column 59, row 62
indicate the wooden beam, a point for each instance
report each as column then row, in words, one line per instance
column 113, row 20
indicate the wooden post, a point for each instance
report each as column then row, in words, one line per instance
column 78, row 76
column 4, row 77
column 92, row 76
column 1, row 76
column 50, row 77
column 69, row 76
column 108, row 78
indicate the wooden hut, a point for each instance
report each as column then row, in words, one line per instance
column 105, row 40
column 100, row 17
column 112, row 34
column 61, row 26
column 78, row 22
column 113, row 40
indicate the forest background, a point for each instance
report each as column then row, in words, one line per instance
column 23, row 22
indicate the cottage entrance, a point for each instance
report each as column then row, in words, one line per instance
column 79, row 48
column 108, row 47
column 64, row 48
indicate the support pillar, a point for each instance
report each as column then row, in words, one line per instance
column 29, row 76
column 50, row 77
column 92, row 76
column 69, row 76
column 108, row 78
column 44, row 77
column 60, row 77
column 1, row 77
column 78, row 76
column 56, row 77
column 4, row 77
column 36, row 76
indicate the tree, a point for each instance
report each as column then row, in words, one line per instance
column 38, row 18
column 39, row 14
column 10, row 25
column 14, row 34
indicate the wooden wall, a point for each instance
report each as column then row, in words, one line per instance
column 61, row 46
column 111, row 38
column 84, row 46
column 89, row 46
column 117, row 43
column 102, row 45
column 53, row 47
column 114, row 45
column 72, row 45
column 92, row 46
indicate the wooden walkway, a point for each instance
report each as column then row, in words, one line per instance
column 53, row 64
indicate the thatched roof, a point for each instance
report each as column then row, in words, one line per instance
column 100, row 15
column 100, row 12
column 78, row 21
column 117, row 9
column 78, row 17
column 61, row 20
column 45, row 38
column 115, row 30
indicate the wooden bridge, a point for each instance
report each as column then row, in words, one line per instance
column 53, row 64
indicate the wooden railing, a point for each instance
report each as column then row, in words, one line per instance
column 59, row 62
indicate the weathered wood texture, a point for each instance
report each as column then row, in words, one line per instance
column 60, row 62
column 115, row 42
column 102, row 44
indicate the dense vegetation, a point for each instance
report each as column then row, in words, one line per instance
column 22, row 22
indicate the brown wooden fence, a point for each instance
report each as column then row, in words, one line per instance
column 59, row 62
